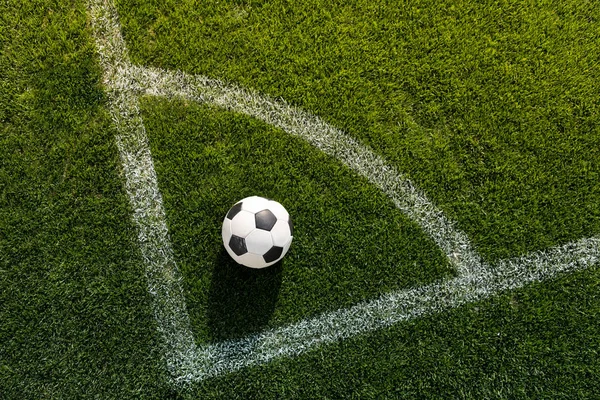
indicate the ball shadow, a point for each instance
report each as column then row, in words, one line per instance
column 241, row 300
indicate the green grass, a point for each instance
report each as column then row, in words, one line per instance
column 74, row 308
column 492, row 108
column 351, row 243
column 536, row 342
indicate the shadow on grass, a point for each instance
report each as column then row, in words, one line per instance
column 241, row 300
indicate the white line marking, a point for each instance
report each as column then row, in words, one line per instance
column 332, row 141
column 162, row 274
column 390, row 309
column 189, row 363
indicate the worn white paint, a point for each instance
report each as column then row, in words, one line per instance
column 188, row 362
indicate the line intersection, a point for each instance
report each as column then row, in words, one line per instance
column 188, row 362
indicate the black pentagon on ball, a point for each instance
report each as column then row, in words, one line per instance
column 273, row 254
column 234, row 210
column 291, row 227
column 238, row 245
column 265, row 220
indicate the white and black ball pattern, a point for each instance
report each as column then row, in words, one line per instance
column 257, row 232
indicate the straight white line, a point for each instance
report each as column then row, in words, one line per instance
column 390, row 309
column 189, row 363
column 162, row 274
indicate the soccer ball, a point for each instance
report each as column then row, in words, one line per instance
column 257, row 232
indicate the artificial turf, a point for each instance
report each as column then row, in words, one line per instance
column 490, row 107
column 537, row 342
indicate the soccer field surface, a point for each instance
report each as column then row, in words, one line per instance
column 440, row 162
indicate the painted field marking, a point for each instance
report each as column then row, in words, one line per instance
column 162, row 274
column 188, row 362
column 389, row 309
column 332, row 141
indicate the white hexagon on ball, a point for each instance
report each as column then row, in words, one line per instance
column 257, row 232
column 259, row 241
column 253, row 204
column 281, row 233
column 242, row 224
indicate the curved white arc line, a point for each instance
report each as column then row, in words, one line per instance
column 189, row 363
column 332, row 141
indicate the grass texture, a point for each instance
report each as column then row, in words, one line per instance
column 351, row 243
column 491, row 107
column 74, row 308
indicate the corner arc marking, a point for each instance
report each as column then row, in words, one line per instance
column 332, row 141
column 190, row 363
